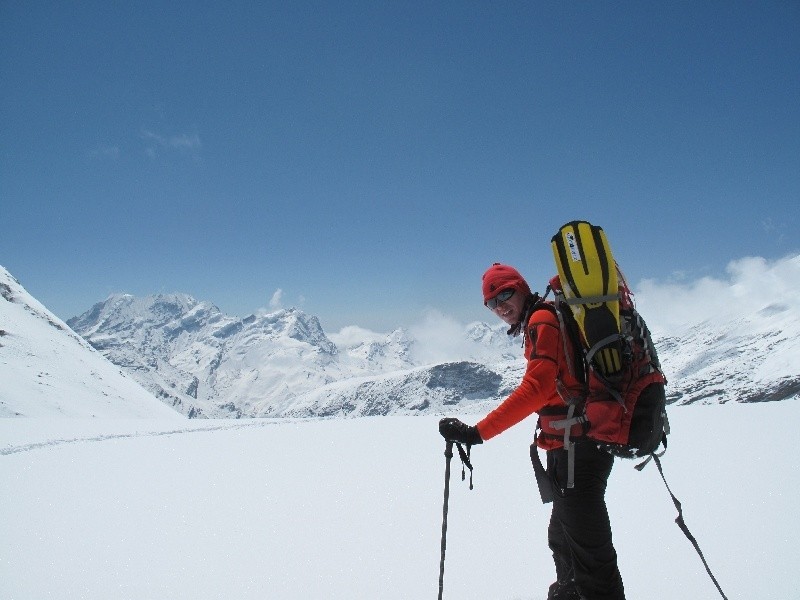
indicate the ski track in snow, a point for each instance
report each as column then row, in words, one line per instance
column 11, row 449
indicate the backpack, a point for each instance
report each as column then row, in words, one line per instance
column 625, row 411
column 621, row 404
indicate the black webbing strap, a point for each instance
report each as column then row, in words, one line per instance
column 542, row 480
column 679, row 520
column 464, row 456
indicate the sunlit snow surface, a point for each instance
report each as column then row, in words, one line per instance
column 342, row 509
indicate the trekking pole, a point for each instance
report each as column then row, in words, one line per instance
column 448, row 453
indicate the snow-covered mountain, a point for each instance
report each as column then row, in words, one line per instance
column 754, row 358
column 205, row 363
column 48, row 370
column 731, row 339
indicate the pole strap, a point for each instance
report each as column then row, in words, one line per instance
column 464, row 456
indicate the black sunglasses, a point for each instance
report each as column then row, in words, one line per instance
column 503, row 296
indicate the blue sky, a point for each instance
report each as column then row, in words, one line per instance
column 371, row 159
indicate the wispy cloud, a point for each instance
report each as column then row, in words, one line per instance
column 188, row 143
column 440, row 338
column 276, row 302
column 776, row 230
column 109, row 152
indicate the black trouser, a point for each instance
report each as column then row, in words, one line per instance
column 580, row 532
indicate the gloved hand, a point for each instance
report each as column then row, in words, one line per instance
column 455, row 431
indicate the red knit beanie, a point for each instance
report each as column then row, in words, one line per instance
column 502, row 277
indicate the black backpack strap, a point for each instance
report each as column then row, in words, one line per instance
column 542, row 479
column 577, row 364
column 682, row 524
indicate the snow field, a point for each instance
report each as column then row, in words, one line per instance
column 138, row 509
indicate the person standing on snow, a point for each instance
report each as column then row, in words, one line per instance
column 579, row 533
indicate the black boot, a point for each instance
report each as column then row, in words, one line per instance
column 564, row 590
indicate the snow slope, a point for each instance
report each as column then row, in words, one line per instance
column 48, row 370
column 351, row 509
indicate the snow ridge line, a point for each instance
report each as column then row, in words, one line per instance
column 10, row 449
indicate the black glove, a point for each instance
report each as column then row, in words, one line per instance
column 455, row 431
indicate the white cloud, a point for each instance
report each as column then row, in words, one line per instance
column 440, row 338
column 752, row 283
column 276, row 302
column 353, row 335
